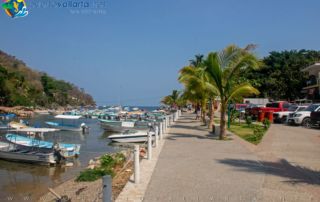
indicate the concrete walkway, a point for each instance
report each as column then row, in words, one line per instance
column 194, row 166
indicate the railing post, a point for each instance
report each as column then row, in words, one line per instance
column 136, row 164
column 107, row 188
column 160, row 130
column 156, row 136
column 167, row 120
column 149, row 146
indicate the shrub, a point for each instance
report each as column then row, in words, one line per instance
column 266, row 123
column 90, row 175
column 249, row 120
column 119, row 159
column 107, row 161
column 234, row 114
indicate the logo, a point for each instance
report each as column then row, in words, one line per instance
column 15, row 8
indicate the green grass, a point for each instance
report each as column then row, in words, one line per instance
column 252, row 134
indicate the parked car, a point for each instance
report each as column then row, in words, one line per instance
column 282, row 117
column 315, row 118
column 270, row 107
column 304, row 117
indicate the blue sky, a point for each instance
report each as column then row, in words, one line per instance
column 132, row 53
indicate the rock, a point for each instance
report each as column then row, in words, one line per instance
column 98, row 162
column 91, row 162
column 91, row 167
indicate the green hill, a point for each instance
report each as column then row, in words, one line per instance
column 21, row 85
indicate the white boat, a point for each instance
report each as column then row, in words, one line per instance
column 64, row 124
column 121, row 126
column 17, row 125
column 14, row 152
column 131, row 136
column 66, row 150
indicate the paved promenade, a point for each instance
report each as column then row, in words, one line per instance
column 195, row 166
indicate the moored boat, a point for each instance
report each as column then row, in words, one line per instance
column 64, row 124
column 121, row 126
column 131, row 136
column 17, row 125
column 12, row 152
column 66, row 150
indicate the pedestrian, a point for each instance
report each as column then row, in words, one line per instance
column 198, row 112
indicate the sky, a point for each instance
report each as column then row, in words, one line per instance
column 129, row 52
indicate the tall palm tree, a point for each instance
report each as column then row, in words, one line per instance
column 223, row 71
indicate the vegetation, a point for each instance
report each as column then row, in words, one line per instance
column 280, row 76
column 218, row 76
column 197, row 88
column 108, row 164
column 252, row 133
column 174, row 100
column 235, row 72
column 20, row 85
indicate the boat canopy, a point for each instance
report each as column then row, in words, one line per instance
column 37, row 130
column 61, row 116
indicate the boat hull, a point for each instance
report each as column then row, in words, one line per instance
column 12, row 153
column 140, row 136
column 66, row 150
column 134, row 139
column 63, row 128
column 119, row 127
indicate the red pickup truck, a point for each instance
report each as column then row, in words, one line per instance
column 270, row 107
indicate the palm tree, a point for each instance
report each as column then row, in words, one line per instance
column 173, row 99
column 223, row 71
column 197, row 88
column 198, row 61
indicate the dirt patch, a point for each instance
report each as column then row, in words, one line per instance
column 91, row 191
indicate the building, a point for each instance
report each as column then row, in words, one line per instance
column 312, row 88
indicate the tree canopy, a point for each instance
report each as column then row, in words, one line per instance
column 20, row 85
column 280, row 76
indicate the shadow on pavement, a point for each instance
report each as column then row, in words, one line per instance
column 175, row 136
column 282, row 168
column 202, row 128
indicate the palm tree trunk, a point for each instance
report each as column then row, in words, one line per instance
column 211, row 112
column 223, row 127
column 204, row 112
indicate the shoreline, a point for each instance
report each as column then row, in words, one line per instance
column 86, row 191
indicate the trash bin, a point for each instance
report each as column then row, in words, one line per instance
column 261, row 115
column 269, row 115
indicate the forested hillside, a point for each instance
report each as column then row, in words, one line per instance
column 21, row 85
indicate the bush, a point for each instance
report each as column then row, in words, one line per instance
column 234, row 114
column 107, row 161
column 266, row 123
column 90, row 175
column 249, row 120
column 119, row 159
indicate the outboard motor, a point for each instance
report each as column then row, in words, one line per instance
column 84, row 127
column 57, row 153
